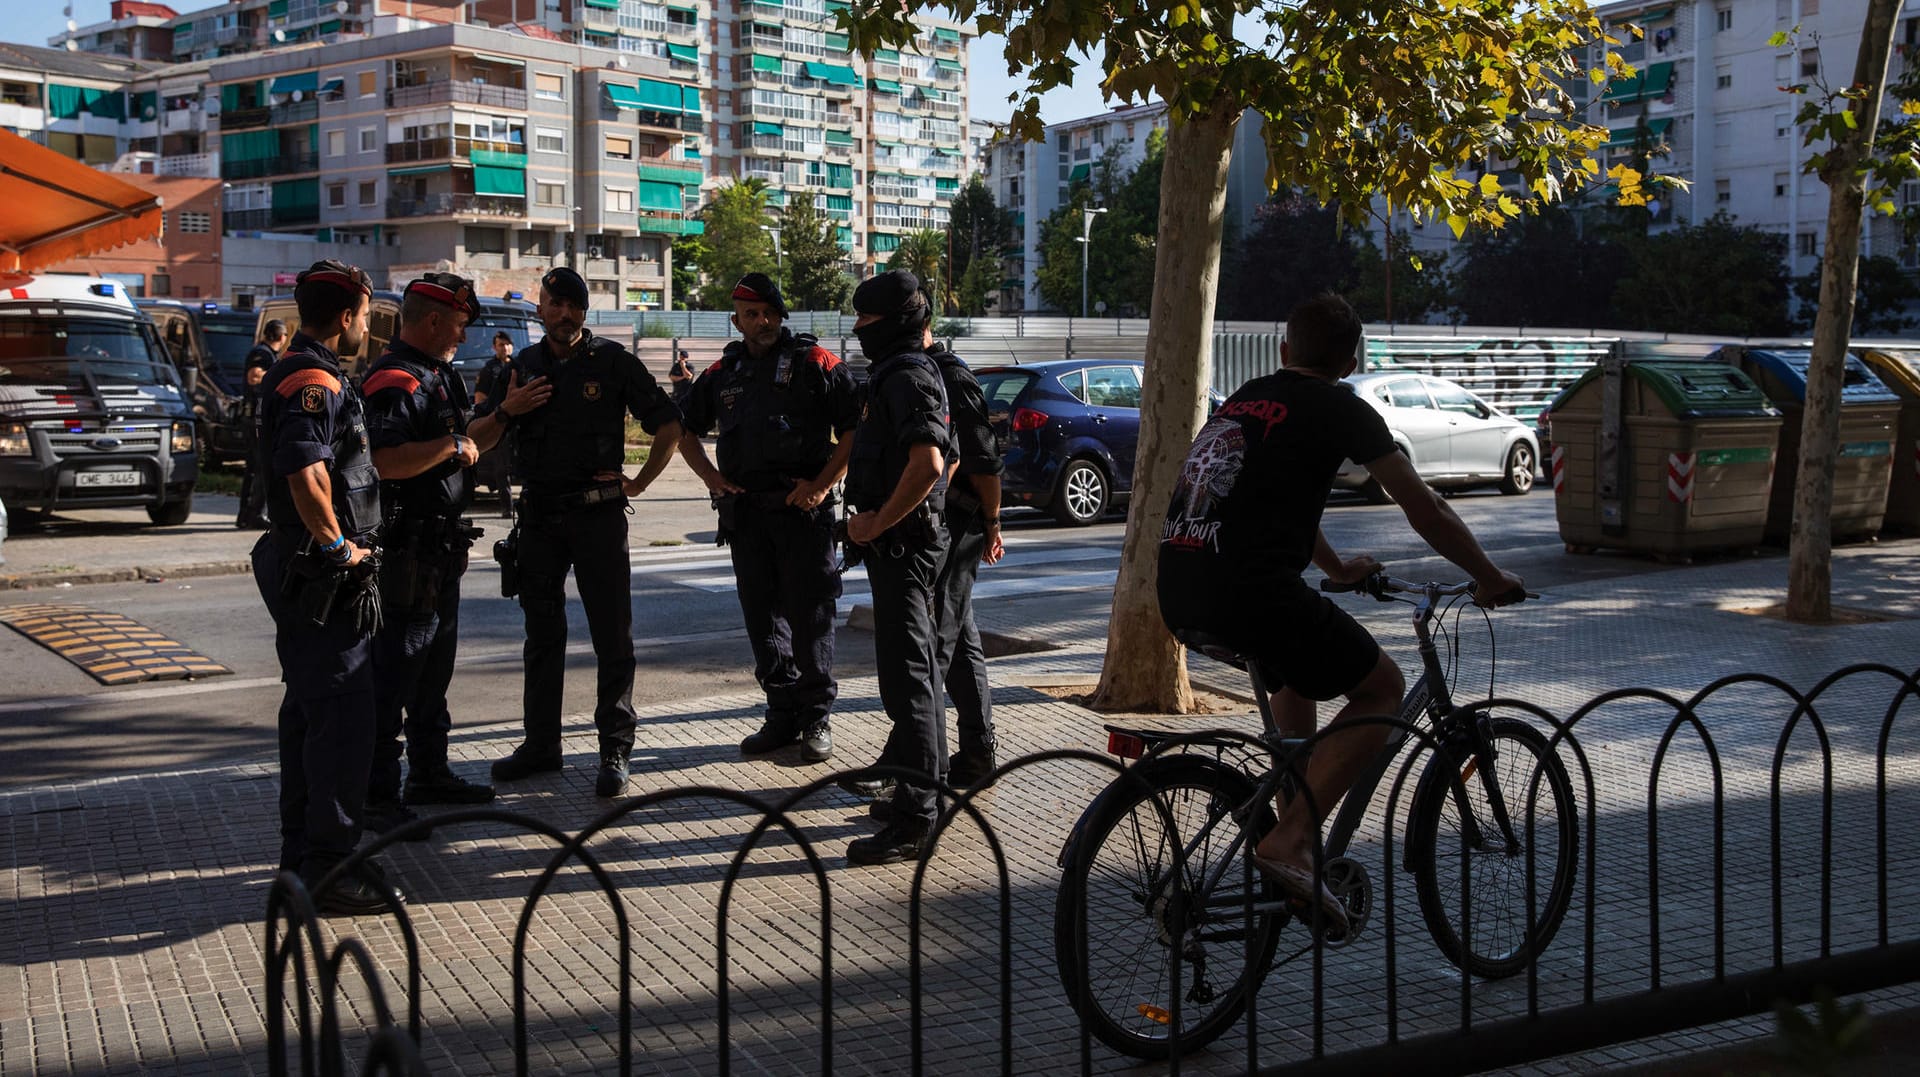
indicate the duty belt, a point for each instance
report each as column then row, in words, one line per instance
column 776, row 500
column 534, row 501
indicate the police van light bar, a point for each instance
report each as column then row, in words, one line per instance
column 515, row 296
column 104, row 288
column 210, row 306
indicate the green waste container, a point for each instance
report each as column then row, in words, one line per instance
column 1665, row 457
column 1899, row 369
column 1868, row 412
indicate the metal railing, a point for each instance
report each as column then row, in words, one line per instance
column 1722, row 892
column 464, row 92
column 448, row 203
column 284, row 164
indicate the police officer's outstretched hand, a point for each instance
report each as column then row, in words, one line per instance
column 806, row 494
column 523, row 398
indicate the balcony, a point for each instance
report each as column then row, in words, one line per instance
column 294, row 216
column 446, row 204
column 205, row 165
column 448, row 90
column 293, row 112
column 672, row 226
column 242, row 118
column 248, row 220
column 666, row 173
column 285, row 164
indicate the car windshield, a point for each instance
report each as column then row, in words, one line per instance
column 229, row 339
column 1001, row 388
column 478, row 347
column 38, row 350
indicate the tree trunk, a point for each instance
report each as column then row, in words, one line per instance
column 1810, row 553
column 1145, row 669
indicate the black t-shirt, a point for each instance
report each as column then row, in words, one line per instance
column 905, row 406
column 1256, row 480
column 494, row 380
column 972, row 430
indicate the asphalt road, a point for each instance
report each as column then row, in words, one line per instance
column 56, row 723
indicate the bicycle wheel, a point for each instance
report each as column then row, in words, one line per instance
column 1497, row 875
column 1120, row 874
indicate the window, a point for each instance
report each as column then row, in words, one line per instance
column 619, row 148
column 162, row 284
column 1809, row 7
column 550, row 139
column 1782, row 124
column 369, row 83
column 1805, row 245
column 336, row 195
column 1450, row 397
column 1782, row 10
column 368, row 192
column 336, row 143
column 1780, row 185
column 1722, row 20
column 1113, row 387
column 1723, row 133
column 550, row 194
column 1783, row 68
column 369, row 139
column 486, row 241
column 1722, row 192
column 1723, row 77
column 551, row 87
column 1408, row 394
column 1076, row 382
column 190, row 221
column 1809, row 63
column 619, row 200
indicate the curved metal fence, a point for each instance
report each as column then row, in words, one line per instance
column 1734, row 872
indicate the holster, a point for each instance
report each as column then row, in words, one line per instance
column 962, row 501
column 423, row 555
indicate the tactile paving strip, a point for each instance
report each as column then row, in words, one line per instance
column 111, row 648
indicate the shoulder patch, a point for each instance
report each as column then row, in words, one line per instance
column 313, row 399
column 823, row 358
column 715, row 368
column 390, row 378
column 301, row 379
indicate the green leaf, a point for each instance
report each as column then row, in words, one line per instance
column 1778, row 39
column 1458, row 223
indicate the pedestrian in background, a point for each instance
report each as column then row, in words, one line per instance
column 494, row 377
column 253, row 482
column 786, row 409
column 681, row 376
column 570, row 454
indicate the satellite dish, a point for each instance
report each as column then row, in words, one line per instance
column 71, row 25
column 341, row 7
column 295, row 96
column 72, row 45
column 279, row 35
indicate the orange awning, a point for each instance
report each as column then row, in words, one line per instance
column 53, row 208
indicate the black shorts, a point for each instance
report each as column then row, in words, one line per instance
column 1299, row 637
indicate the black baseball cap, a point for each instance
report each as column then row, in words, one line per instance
column 564, row 283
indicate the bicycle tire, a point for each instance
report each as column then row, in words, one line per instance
column 1500, row 947
column 1096, row 882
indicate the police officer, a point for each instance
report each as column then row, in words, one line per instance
column 681, row 375
column 895, row 478
column 786, row 409
column 424, row 450
column 573, row 514
column 310, row 567
column 973, row 537
column 494, row 376
column 253, row 484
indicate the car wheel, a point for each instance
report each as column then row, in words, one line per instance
column 1083, row 494
column 171, row 514
column 1518, row 477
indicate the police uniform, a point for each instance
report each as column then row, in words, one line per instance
column 413, row 397
column 905, row 407
column 960, row 658
column 570, row 520
column 778, row 417
column 253, row 483
column 309, row 414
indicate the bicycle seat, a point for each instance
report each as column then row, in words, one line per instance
column 1212, row 646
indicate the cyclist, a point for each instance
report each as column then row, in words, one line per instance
column 1245, row 522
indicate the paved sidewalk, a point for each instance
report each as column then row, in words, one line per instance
column 131, row 908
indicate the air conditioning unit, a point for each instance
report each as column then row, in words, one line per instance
column 596, row 252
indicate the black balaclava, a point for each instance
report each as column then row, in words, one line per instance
column 895, row 296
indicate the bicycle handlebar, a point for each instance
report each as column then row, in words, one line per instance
column 1383, row 587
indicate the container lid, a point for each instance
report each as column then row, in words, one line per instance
column 1789, row 367
column 1691, row 389
column 1898, row 367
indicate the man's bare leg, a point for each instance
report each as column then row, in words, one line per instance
column 1337, row 759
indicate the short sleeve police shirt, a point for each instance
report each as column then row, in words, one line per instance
column 1251, row 492
column 306, row 416
column 972, row 431
column 913, row 406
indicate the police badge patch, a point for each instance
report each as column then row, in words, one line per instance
column 313, row 399
column 590, row 390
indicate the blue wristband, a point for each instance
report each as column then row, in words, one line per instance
column 338, row 541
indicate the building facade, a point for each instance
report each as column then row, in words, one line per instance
column 185, row 261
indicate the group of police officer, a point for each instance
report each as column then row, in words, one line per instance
column 366, row 542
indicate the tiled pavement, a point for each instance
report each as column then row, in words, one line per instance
column 131, row 926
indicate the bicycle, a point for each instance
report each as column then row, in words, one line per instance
column 1119, row 864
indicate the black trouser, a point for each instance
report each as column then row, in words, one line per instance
column 412, row 667
column 253, row 494
column 783, row 564
column 904, row 650
column 960, row 658
column 592, row 542
column 326, row 725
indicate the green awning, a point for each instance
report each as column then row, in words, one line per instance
column 146, row 105
column 499, row 61
column 416, row 170
column 890, row 145
column 499, row 159
column 660, row 96
column 624, row 96
column 690, row 101
column 944, row 34
column 885, row 86
column 767, row 63
column 107, row 104
column 1014, row 283
column 250, row 145
column 886, row 56
column 945, row 184
column 834, row 7
column 841, row 202
column 947, row 151
column 304, row 82
column 839, row 138
column 1653, row 81
column 277, row 9
column 694, row 11
column 843, row 235
column 296, row 194
column 331, row 26
column 1653, row 15
column 686, row 53
column 334, row 86
column 184, row 29
column 839, row 175
column 605, row 5
column 763, row 128
column 489, row 179
column 835, row 73
column 1079, row 173
column 948, row 65
column 837, row 42
column 651, row 96
column 1624, row 136
column 882, row 242
column 63, row 102
column 658, row 196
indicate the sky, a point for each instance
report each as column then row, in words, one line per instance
column 34, row 23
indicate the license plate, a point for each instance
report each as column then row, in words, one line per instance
column 106, row 478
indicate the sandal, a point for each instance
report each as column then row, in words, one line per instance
column 1299, row 884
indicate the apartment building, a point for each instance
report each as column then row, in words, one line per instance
column 150, row 31
column 73, row 102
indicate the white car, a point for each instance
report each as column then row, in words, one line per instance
column 1454, row 438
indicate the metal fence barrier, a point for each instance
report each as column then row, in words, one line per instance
column 1680, row 917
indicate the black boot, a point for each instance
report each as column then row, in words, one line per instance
column 816, row 744
column 903, row 838
column 613, row 773
column 774, row 734
column 385, row 815
column 440, row 785
column 525, row 763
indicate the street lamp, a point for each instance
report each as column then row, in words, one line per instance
column 573, row 244
column 1086, row 232
column 779, row 262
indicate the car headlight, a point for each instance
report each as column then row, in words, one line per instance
column 13, row 440
column 182, row 437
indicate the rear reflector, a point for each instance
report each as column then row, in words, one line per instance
column 1125, row 745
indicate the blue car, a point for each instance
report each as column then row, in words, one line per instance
column 1067, row 430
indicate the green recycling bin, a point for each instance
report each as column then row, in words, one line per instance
column 1899, row 369
column 1868, row 412
column 1664, row 457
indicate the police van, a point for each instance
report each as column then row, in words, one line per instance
column 383, row 324
column 93, row 412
